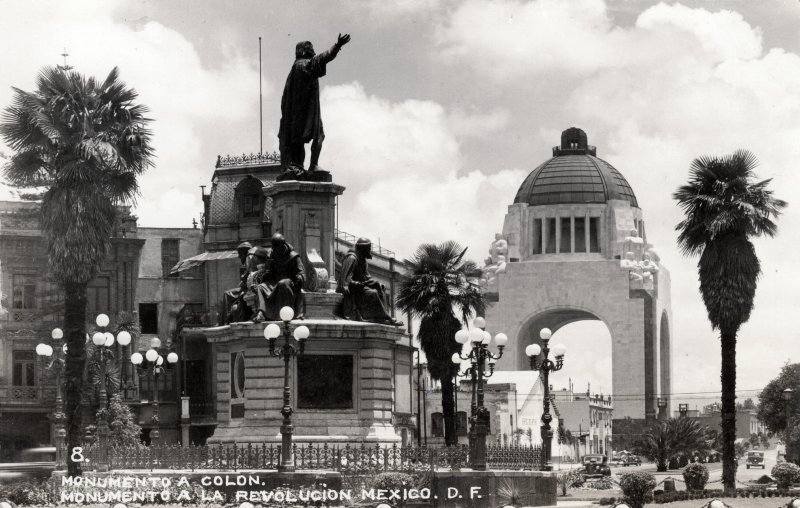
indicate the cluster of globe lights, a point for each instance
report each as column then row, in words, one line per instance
column 273, row 330
column 534, row 349
column 47, row 349
column 478, row 336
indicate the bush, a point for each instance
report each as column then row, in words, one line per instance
column 673, row 463
column 26, row 493
column 786, row 474
column 607, row 501
column 637, row 487
column 695, row 475
column 569, row 479
column 604, row 483
column 394, row 481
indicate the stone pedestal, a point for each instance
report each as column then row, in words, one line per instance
column 377, row 353
column 372, row 350
column 305, row 214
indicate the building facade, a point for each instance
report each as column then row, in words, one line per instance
column 585, row 421
column 574, row 247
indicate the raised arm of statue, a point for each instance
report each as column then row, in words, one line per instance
column 319, row 62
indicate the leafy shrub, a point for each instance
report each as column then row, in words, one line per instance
column 764, row 480
column 27, row 493
column 394, row 481
column 568, row 480
column 637, row 487
column 673, row 463
column 604, row 483
column 786, row 474
column 695, row 475
column 607, row 501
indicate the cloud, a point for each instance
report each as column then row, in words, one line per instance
column 678, row 83
column 401, row 164
column 185, row 95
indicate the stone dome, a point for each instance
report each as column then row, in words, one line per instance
column 574, row 175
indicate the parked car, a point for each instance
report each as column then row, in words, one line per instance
column 595, row 466
column 755, row 459
column 631, row 460
column 30, row 463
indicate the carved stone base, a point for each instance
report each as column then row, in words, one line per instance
column 323, row 305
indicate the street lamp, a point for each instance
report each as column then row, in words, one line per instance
column 479, row 340
column 151, row 364
column 787, row 398
column 287, row 351
column 545, row 365
column 56, row 366
column 103, row 340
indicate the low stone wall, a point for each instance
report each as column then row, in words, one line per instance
column 445, row 489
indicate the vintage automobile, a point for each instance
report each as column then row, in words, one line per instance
column 630, row 459
column 31, row 463
column 755, row 459
column 595, row 466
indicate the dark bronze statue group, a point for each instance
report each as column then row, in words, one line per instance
column 273, row 278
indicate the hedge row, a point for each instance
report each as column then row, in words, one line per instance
column 669, row 497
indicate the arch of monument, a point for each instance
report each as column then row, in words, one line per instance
column 574, row 247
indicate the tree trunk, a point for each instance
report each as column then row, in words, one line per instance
column 74, row 330
column 728, row 378
column 448, row 411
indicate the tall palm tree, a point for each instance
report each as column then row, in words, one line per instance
column 724, row 207
column 84, row 142
column 438, row 288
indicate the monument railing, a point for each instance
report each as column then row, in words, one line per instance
column 345, row 458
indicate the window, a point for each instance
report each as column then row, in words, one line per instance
column 170, row 255
column 24, row 373
column 580, row 234
column 566, row 234
column 550, row 246
column 250, row 198
column 461, row 423
column 437, row 425
column 24, row 290
column 148, row 317
column 325, row 382
column 594, row 234
column 98, row 296
column 165, row 383
column 237, row 381
column 536, row 237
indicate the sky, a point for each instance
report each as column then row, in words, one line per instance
column 437, row 110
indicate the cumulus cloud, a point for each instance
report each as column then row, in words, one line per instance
column 184, row 94
column 678, row 83
column 400, row 162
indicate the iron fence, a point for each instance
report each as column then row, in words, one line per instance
column 358, row 458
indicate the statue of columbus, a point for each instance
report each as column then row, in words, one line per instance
column 301, row 121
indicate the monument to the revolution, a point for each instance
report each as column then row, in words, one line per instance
column 574, row 247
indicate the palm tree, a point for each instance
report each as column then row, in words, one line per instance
column 668, row 438
column 724, row 207
column 439, row 286
column 84, row 142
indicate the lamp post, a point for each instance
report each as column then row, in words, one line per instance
column 479, row 354
column 289, row 349
column 151, row 364
column 103, row 340
column 545, row 365
column 787, row 398
column 56, row 366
